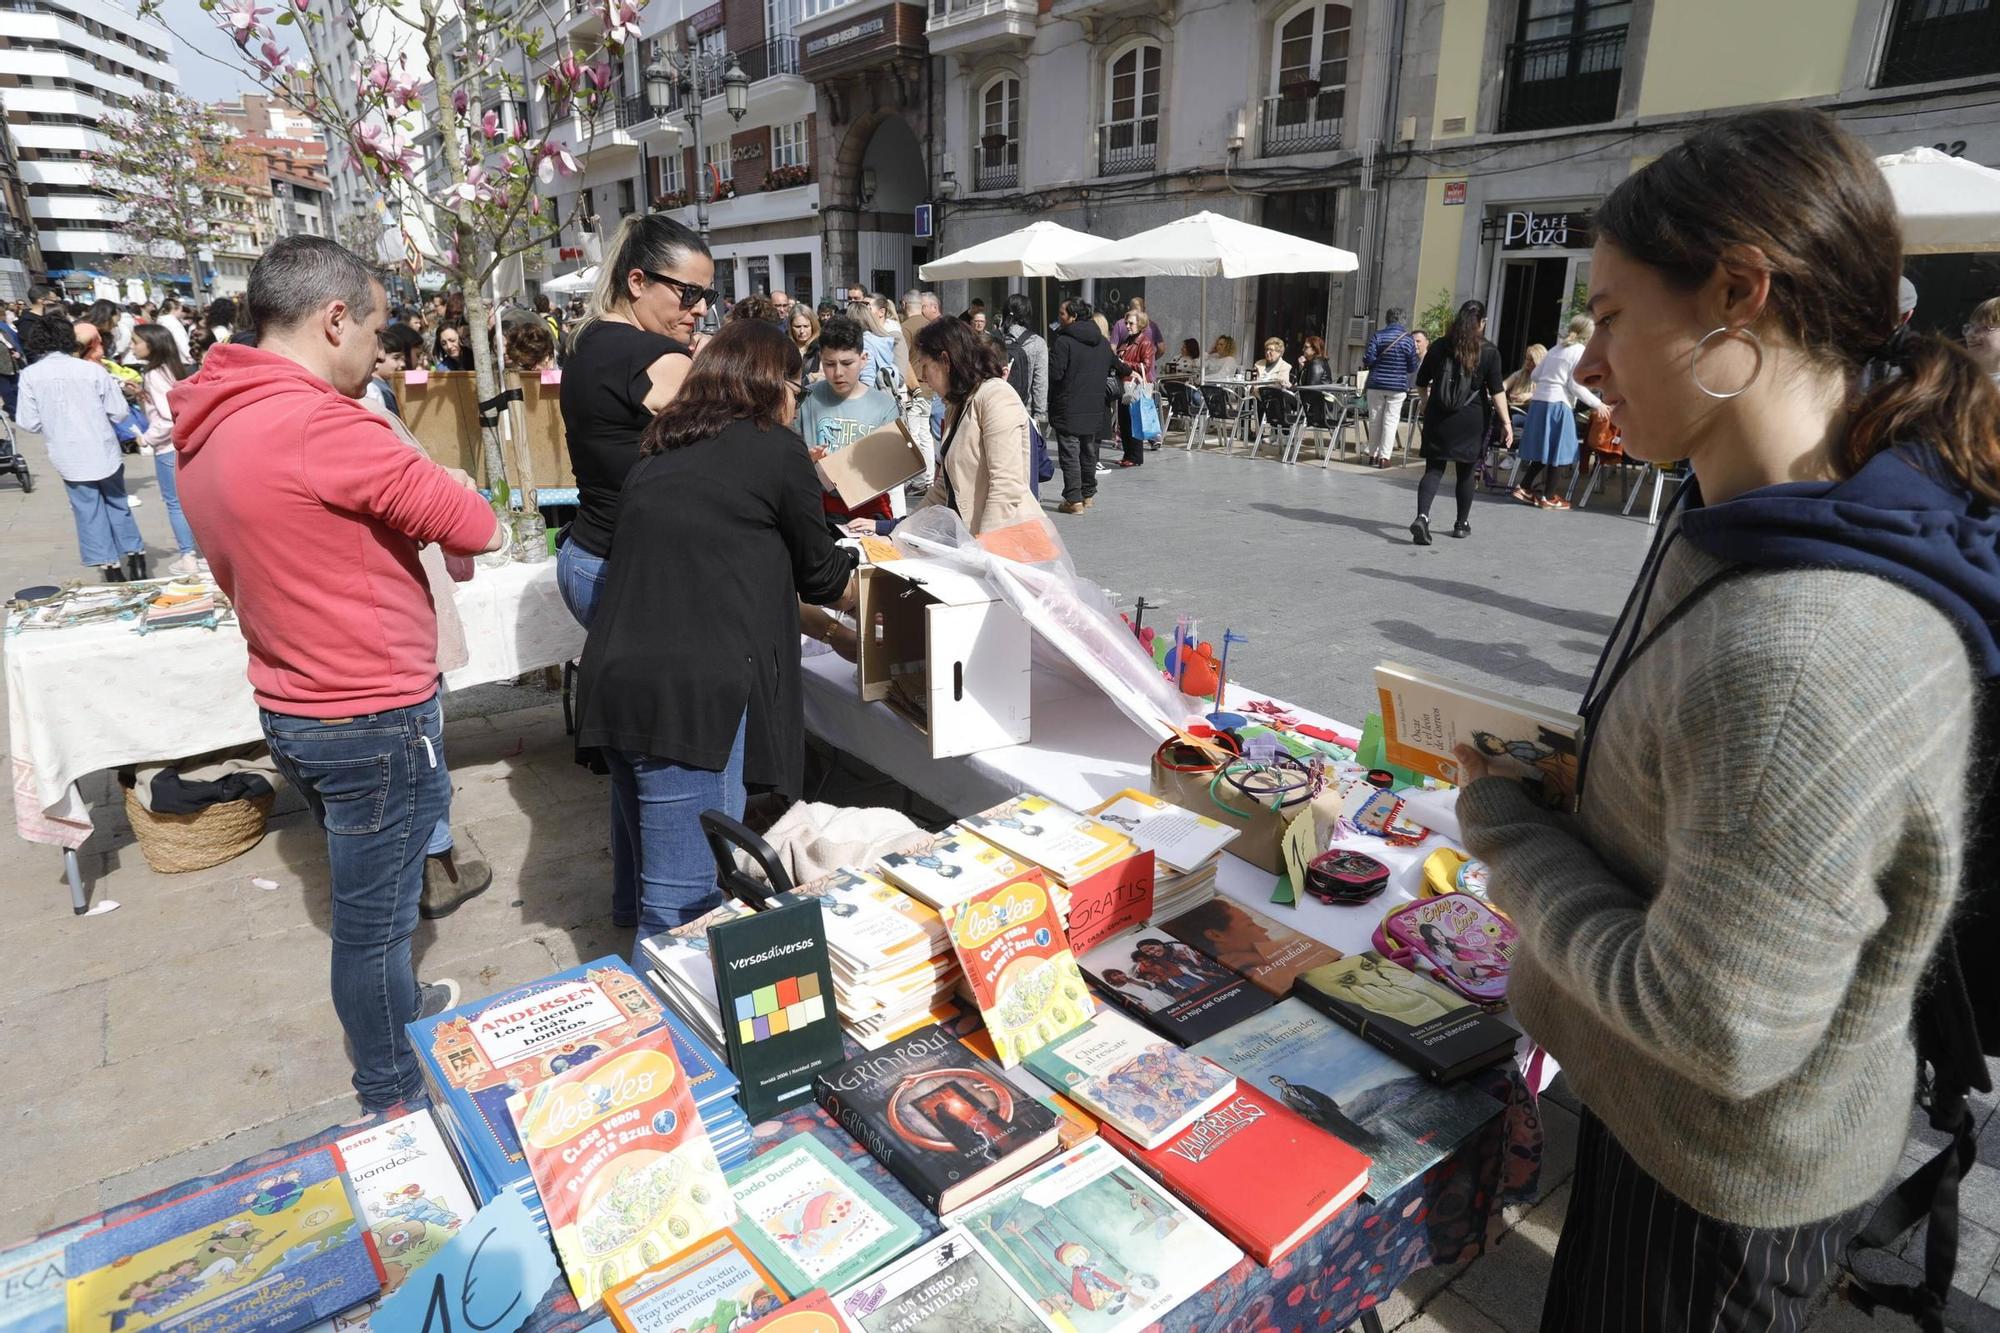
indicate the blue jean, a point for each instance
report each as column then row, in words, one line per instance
column 580, row 580
column 105, row 528
column 166, row 471
column 668, row 878
column 378, row 786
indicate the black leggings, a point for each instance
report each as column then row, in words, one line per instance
column 1533, row 470
column 1427, row 489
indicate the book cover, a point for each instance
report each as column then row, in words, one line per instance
column 1093, row 1246
column 1222, row 1166
column 812, row 1221
column 774, row 983
column 945, row 1122
column 712, row 1286
column 1074, row 1124
column 875, row 924
column 1018, row 964
column 1132, row 1079
column 813, row 1312
column 1435, row 1031
column 952, row 868
column 1425, row 716
column 1180, row 991
column 411, row 1196
column 1182, row 839
column 1367, row 1099
column 276, row 1248
column 31, row 1283
column 942, row 1286
column 1111, row 900
column 1062, row 842
column 1270, row 955
column 625, row 1170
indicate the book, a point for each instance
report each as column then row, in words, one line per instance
column 1365, row 1098
column 269, row 1251
column 774, row 985
column 813, row 1312
column 1170, row 987
column 1062, row 842
column 1222, row 1167
column 814, row 1222
column 712, row 1286
column 942, row 1286
column 1018, row 965
column 684, row 972
column 1270, row 955
column 412, row 1197
column 1131, row 1079
column 872, row 925
column 625, row 1170
column 946, row 1123
column 1110, row 900
column 1182, row 839
column 1437, row 1032
column 31, row 1283
column 1094, row 1246
column 1073, row 1123
column 954, row 867
column 1425, row 716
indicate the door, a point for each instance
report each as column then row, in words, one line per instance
column 1533, row 296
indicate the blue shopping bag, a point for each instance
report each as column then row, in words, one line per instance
column 130, row 427
column 1146, row 418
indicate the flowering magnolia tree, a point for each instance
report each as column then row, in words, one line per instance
column 167, row 166
column 476, row 203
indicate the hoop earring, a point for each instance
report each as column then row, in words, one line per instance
column 1694, row 361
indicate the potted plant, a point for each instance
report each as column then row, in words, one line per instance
column 785, row 178
column 670, row 199
column 993, row 143
column 1304, row 88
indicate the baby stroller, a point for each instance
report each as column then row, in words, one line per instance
column 10, row 454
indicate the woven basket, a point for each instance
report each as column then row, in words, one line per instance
column 173, row 844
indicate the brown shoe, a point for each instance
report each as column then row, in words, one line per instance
column 1089, row 500
column 449, row 884
column 1071, row 507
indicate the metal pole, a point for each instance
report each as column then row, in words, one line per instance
column 700, row 162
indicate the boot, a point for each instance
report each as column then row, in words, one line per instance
column 135, row 567
column 113, row 573
column 449, row 884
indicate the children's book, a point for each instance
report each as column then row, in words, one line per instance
column 1367, row 1099
column 1074, row 1124
column 813, row 1312
column 1132, row 1079
column 873, row 925
column 1111, row 900
column 1270, row 955
column 1062, row 842
column 774, row 984
column 1094, row 1246
column 1019, row 966
column 942, row 1286
column 1172, row 988
column 1182, row 839
column 626, row 1173
column 814, row 1222
column 954, row 867
column 712, row 1286
column 1432, row 1029
column 1424, row 717
column 411, row 1195
column 946, row 1123
column 1257, row 1170
column 269, row 1251
column 31, row 1283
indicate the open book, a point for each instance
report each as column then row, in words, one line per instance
column 1425, row 716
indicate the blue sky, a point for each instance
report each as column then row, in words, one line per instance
column 195, row 33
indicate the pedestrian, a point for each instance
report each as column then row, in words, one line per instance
column 913, row 315
column 1520, row 387
column 885, row 369
column 1018, row 331
column 1793, row 696
column 1136, row 318
column 451, row 351
column 41, row 301
column 805, row 336
column 977, row 319
column 221, row 319
column 1080, row 365
column 984, row 464
column 1391, row 360
column 530, row 349
column 172, row 318
column 1549, row 442
column 840, row 409
column 1135, row 342
column 311, row 512
column 1463, row 395
column 1982, row 337
column 165, row 369
column 690, row 685
column 856, row 292
column 1314, row 369
column 73, row 405
column 781, row 302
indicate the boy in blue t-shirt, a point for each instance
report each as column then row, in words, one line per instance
column 840, row 409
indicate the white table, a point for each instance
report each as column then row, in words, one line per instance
column 101, row 696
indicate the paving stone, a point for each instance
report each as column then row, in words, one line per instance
column 1506, row 1284
column 1449, row 1314
column 47, row 1039
column 1978, row 1251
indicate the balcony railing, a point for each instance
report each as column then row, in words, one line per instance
column 1560, row 81
column 1302, row 124
column 997, row 168
column 1959, row 39
column 775, row 57
column 1128, row 145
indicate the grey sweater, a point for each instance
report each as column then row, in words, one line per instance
column 1723, row 946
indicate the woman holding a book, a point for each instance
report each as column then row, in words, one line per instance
column 1723, row 943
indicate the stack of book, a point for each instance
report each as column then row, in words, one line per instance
column 682, row 971
column 1186, row 845
column 1068, row 847
column 951, row 869
column 893, row 966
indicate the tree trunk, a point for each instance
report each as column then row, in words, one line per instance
column 193, row 253
column 486, row 375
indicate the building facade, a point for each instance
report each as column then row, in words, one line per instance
column 21, row 265
column 340, row 59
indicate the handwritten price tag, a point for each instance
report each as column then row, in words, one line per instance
column 489, row 1279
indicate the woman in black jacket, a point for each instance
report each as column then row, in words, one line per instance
column 1464, row 391
column 690, row 679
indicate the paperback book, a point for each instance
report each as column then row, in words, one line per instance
column 1112, row 900
column 942, row 1286
column 1065, row 844
column 1268, row 954
column 1018, row 965
column 1182, row 839
column 713, row 1286
column 31, row 1283
column 1433, row 1030
column 946, row 1123
column 1424, row 717
column 1365, row 1098
column 1131, row 1078
column 774, row 984
column 813, row 1312
column 412, row 1197
column 1172, row 988
column 953, row 868
column 814, row 1222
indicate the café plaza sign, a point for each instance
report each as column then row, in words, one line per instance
column 1525, row 229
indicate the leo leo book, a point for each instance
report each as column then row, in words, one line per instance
column 1019, row 965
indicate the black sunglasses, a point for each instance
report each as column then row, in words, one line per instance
column 691, row 294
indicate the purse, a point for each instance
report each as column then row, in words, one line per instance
column 1459, row 940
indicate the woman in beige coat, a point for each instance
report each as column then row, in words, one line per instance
column 984, row 459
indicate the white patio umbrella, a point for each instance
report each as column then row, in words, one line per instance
column 1948, row 205
column 1032, row 252
column 570, row 284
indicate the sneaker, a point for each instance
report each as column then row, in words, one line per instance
column 450, row 884
column 1462, row 530
column 133, row 502
column 434, row 997
column 184, row 568
column 1420, row 530
column 1089, row 500
column 1070, row 507
column 1553, row 502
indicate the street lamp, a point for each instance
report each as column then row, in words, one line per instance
column 690, row 75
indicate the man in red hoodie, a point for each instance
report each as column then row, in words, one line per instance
column 311, row 512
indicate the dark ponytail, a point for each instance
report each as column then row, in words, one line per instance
column 1807, row 195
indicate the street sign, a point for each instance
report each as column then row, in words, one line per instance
column 924, row 221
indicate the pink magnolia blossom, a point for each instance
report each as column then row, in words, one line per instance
column 489, row 124
column 301, row 5
column 274, row 55
column 459, row 101
column 449, row 259
column 621, row 22
column 569, row 69
column 599, row 75
column 555, row 159
column 241, row 19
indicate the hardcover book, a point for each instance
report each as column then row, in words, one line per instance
column 1425, row 716
column 1174, row 989
column 942, row 1286
column 625, row 1169
column 31, row 1283
column 1132, row 1079
column 945, row 1122
column 269, row 1251
column 712, row 1286
column 412, row 1198
column 1067, row 845
column 953, row 868
column 1018, row 964
column 774, row 984
column 1093, row 1246
column 1433, row 1030
column 1268, row 954
column 1222, row 1166
column 814, row 1222
column 1366, row 1099
column 1182, row 839
column 1074, row 1124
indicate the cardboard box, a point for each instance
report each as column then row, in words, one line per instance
column 881, row 459
column 961, row 653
